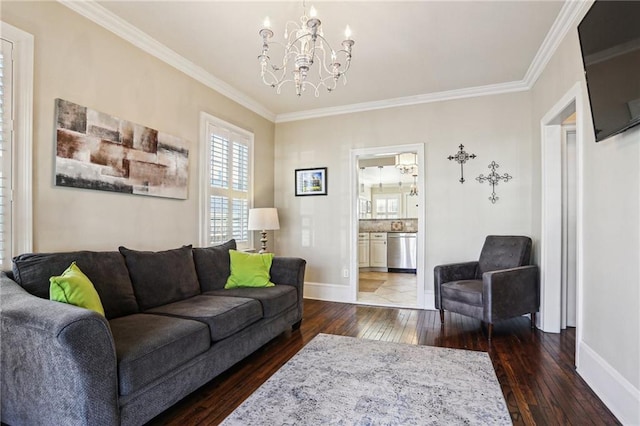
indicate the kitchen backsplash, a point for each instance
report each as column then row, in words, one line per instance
column 388, row 225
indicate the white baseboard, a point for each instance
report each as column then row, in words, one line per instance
column 617, row 393
column 327, row 292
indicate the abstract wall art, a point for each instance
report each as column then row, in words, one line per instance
column 95, row 150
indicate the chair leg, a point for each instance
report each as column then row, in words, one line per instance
column 490, row 330
column 533, row 320
column 441, row 316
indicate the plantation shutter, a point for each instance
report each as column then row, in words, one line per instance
column 229, row 186
column 6, row 156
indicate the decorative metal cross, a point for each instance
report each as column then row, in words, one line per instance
column 461, row 157
column 493, row 178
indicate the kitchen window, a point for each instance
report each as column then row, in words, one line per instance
column 386, row 206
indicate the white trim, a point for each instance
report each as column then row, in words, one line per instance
column 470, row 92
column 112, row 22
column 550, row 290
column 354, row 221
column 207, row 121
column 203, row 191
column 23, row 138
column 617, row 393
column 566, row 20
column 326, row 292
column 551, row 235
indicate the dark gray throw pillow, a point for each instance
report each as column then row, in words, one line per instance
column 213, row 265
column 161, row 277
column 106, row 270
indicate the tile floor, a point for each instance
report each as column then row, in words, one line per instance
column 388, row 289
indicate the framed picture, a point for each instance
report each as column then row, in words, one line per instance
column 311, row 181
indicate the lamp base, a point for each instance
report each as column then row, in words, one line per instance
column 263, row 242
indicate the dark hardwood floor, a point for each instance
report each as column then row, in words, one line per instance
column 535, row 370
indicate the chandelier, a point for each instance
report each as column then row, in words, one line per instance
column 406, row 162
column 304, row 44
column 413, row 189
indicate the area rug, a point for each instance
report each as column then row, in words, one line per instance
column 338, row 380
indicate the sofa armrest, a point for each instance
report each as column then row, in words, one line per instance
column 58, row 362
column 510, row 292
column 452, row 272
column 290, row 271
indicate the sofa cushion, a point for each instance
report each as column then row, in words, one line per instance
column 274, row 300
column 150, row 346
column 224, row 315
column 249, row 270
column 106, row 270
column 73, row 287
column 161, row 277
column 212, row 265
column 468, row 292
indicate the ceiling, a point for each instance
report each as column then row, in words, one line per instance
column 404, row 51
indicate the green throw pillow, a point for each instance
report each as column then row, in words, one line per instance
column 73, row 287
column 249, row 270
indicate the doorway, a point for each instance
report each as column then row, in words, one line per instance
column 569, row 200
column 561, row 256
column 387, row 216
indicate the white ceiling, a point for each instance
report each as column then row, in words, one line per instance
column 407, row 50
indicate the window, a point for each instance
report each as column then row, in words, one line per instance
column 227, row 168
column 6, row 138
column 386, row 206
column 16, row 105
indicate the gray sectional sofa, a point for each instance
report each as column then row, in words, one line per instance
column 169, row 327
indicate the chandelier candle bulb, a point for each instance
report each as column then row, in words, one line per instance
column 347, row 33
column 313, row 12
column 267, row 23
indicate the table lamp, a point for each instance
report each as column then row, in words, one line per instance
column 263, row 220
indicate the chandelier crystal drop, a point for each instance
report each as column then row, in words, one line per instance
column 304, row 45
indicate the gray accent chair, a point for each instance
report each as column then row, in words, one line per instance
column 502, row 284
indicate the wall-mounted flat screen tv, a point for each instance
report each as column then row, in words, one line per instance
column 610, row 41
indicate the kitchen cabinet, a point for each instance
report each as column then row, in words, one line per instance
column 363, row 250
column 378, row 249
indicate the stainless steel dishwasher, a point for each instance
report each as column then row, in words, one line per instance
column 401, row 251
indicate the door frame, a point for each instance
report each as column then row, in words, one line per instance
column 353, row 214
column 550, row 316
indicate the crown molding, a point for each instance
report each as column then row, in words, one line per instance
column 572, row 11
column 101, row 16
column 470, row 92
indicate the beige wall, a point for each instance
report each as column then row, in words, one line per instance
column 81, row 62
column 458, row 216
column 611, row 222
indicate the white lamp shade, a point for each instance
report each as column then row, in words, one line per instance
column 263, row 219
column 407, row 159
